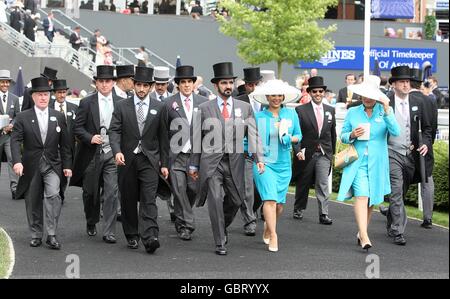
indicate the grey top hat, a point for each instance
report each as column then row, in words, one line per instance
column 161, row 74
column 5, row 75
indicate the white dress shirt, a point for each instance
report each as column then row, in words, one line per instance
column 58, row 107
column 42, row 116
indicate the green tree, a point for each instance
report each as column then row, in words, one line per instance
column 284, row 31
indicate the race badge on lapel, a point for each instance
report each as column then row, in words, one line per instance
column 238, row 112
column 153, row 111
column 414, row 108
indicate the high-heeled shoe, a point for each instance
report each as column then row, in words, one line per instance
column 265, row 240
column 275, row 248
column 366, row 246
column 358, row 239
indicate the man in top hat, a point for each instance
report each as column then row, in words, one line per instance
column 140, row 146
column 404, row 150
column 221, row 163
column 124, row 81
column 179, row 114
column 69, row 111
column 161, row 84
column 50, row 75
column 314, row 153
column 431, row 111
column 95, row 169
column 46, row 158
column 7, row 107
column 252, row 77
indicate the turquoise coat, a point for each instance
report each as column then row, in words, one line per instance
column 378, row 158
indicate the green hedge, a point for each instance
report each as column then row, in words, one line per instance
column 440, row 176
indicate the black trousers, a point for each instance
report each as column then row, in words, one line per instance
column 139, row 183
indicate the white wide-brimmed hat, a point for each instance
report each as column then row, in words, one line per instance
column 369, row 88
column 275, row 87
column 267, row 75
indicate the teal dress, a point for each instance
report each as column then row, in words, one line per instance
column 274, row 182
column 369, row 175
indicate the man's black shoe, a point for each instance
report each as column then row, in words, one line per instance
column 91, row 230
column 221, row 250
column 250, row 230
column 133, row 244
column 399, row 240
column 35, row 242
column 427, row 224
column 324, row 219
column 151, row 245
column 53, row 243
column 109, row 239
column 298, row 214
column 384, row 210
column 185, row 234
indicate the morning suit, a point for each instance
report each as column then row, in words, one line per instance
column 320, row 148
column 221, row 164
column 145, row 148
column 9, row 102
column 94, row 165
column 46, row 153
column 179, row 123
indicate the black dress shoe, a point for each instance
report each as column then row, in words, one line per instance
column 151, row 245
column 298, row 214
column 250, row 231
column 221, row 250
column 399, row 240
column 427, row 224
column 133, row 244
column 35, row 242
column 384, row 210
column 53, row 243
column 324, row 219
column 91, row 230
column 185, row 234
column 109, row 239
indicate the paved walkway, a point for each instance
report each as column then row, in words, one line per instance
column 307, row 249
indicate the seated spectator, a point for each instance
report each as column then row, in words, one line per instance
column 144, row 7
column 438, row 36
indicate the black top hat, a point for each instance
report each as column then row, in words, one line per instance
column 315, row 82
column 39, row 84
column 60, row 85
column 49, row 73
column 416, row 75
column 223, row 70
column 105, row 72
column 125, row 71
column 252, row 74
column 143, row 74
column 184, row 72
column 401, row 72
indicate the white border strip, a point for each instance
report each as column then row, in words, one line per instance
column 350, row 205
column 12, row 254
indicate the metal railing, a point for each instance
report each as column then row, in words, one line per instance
column 78, row 59
column 121, row 55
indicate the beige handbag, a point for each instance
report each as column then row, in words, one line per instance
column 345, row 157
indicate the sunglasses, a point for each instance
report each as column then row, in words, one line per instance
column 317, row 91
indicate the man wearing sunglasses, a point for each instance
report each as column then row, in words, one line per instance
column 315, row 151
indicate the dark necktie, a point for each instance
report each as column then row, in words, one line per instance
column 161, row 98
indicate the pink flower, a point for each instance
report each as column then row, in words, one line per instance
column 175, row 106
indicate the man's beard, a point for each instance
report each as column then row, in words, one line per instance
column 224, row 93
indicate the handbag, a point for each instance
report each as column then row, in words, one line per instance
column 345, row 157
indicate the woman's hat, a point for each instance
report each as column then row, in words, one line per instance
column 315, row 82
column 105, row 72
column 184, row 72
column 275, row 87
column 5, row 75
column 252, row 74
column 144, row 74
column 401, row 72
column 60, row 85
column 39, row 84
column 370, row 88
column 49, row 73
column 223, row 70
column 267, row 75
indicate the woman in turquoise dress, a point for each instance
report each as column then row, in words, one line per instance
column 367, row 178
column 278, row 128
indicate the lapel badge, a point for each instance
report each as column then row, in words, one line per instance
column 58, row 129
column 153, row 111
column 414, row 108
column 238, row 112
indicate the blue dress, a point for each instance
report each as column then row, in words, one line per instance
column 369, row 175
column 274, row 182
